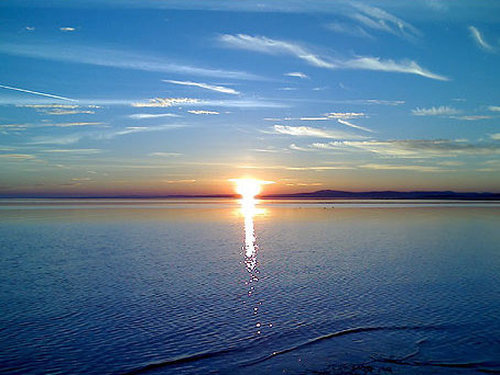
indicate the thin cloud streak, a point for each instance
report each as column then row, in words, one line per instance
column 479, row 39
column 277, row 47
column 435, row 111
column 306, row 131
column 38, row 93
column 414, row 148
column 117, row 59
column 347, row 123
column 141, row 116
column 206, row 86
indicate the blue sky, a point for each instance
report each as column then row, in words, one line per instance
column 162, row 97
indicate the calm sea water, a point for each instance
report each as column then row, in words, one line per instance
column 201, row 287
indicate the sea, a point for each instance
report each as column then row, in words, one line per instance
column 224, row 286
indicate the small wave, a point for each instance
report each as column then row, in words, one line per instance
column 335, row 334
column 177, row 361
column 486, row 367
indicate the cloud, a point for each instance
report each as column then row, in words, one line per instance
column 71, row 124
column 306, row 131
column 164, row 102
column 404, row 66
column 80, row 151
column 435, row 111
column 348, row 29
column 347, row 123
column 61, row 112
column 471, row 117
column 297, row 75
column 274, row 47
column 179, row 181
column 495, row 136
column 76, row 137
column 67, row 29
column 380, row 20
column 494, row 108
column 277, row 47
column 293, row 146
column 203, row 112
column 37, row 93
column 118, row 59
column 384, row 102
column 18, row 156
column 165, row 154
column 140, row 116
column 169, row 102
column 311, row 118
column 345, row 115
column 416, row 168
column 415, row 148
column 478, row 38
column 222, row 89
column 140, row 129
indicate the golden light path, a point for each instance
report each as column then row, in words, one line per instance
column 249, row 188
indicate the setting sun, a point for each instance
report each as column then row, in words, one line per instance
column 249, row 188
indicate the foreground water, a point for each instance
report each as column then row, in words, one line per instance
column 198, row 287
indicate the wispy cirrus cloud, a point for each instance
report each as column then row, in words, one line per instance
column 165, row 102
column 306, row 131
column 18, row 156
column 71, row 124
column 240, row 103
column 141, row 116
column 380, row 20
column 435, row 111
column 297, row 75
column 68, row 139
column 165, row 154
column 37, row 93
column 348, row 29
column 479, row 39
column 494, row 108
column 206, row 86
column 274, row 47
column 414, row 148
column 416, row 168
column 278, row 47
column 78, row 151
column 350, row 124
column 67, row 29
column 110, row 57
column 203, row 112
column 65, row 112
column 180, row 181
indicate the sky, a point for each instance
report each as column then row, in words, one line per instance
column 158, row 97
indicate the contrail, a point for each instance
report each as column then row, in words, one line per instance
column 37, row 93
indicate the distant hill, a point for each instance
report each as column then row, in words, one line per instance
column 335, row 194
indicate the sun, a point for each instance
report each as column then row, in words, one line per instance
column 249, row 188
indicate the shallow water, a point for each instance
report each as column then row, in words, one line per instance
column 171, row 287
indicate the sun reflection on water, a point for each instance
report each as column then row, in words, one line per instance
column 248, row 189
